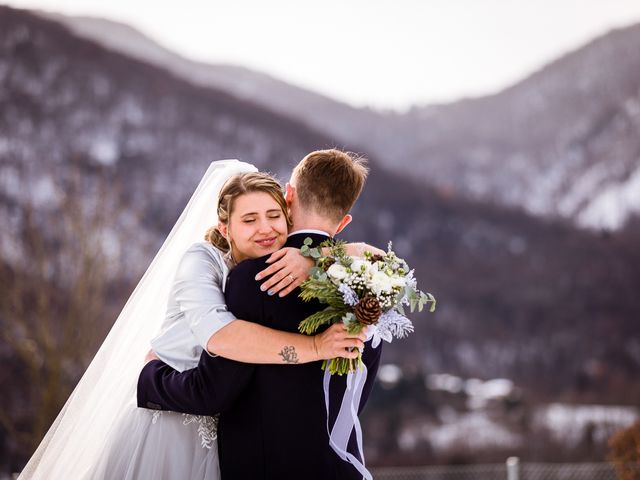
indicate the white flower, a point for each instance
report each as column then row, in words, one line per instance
column 397, row 281
column 337, row 272
column 380, row 282
column 360, row 266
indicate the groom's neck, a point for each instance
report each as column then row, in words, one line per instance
column 313, row 222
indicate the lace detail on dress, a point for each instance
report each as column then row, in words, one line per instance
column 156, row 416
column 207, row 427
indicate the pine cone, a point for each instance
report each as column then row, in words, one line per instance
column 368, row 310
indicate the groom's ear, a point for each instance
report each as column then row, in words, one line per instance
column 346, row 220
column 288, row 193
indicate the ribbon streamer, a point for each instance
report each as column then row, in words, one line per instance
column 347, row 419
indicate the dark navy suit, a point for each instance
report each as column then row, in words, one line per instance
column 273, row 421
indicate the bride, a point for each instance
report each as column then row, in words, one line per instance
column 100, row 433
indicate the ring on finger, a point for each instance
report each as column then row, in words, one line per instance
column 292, row 278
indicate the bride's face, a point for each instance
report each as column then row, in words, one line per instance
column 257, row 226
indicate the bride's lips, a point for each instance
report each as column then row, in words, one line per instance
column 266, row 242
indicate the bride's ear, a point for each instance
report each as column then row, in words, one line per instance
column 346, row 220
column 222, row 228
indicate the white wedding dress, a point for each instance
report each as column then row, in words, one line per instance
column 100, row 433
column 148, row 444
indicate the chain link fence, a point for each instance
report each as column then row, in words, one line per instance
column 511, row 470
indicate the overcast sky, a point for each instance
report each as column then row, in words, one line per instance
column 382, row 53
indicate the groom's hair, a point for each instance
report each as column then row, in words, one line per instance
column 329, row 182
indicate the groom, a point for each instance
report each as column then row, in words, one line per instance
column 273, row 422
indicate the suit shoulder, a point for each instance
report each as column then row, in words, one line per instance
column 249, row 268
column 242, row 279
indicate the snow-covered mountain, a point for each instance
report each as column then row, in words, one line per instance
column 340, row 122
column 563, row 142
column 69, row 105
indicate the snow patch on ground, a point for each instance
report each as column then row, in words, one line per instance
column 570, row 423
column 472, row 430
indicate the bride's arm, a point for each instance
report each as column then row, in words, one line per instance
column 207, row 322
column 290, row 269
column 249, row 342
column 252, row 343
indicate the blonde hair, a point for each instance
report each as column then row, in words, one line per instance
column 330, row 181
column 239, row 185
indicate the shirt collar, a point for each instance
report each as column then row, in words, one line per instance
column 310, row 230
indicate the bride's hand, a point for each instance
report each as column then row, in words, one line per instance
column 335, row 342
column 288, row 270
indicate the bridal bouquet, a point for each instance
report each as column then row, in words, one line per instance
column 369, row 291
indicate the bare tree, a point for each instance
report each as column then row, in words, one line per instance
column 54, row 308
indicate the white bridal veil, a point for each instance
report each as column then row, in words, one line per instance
column 77, row 438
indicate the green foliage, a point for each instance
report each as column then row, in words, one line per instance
column 312, row 323
column 336, row 249
column 341, row 366
column 418, row 300
column 323, row 291
column 307, row 251
column 354, row 327
column 426, row 298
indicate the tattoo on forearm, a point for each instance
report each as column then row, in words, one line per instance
column 289, row 354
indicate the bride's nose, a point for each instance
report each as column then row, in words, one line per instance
column 264, row 226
